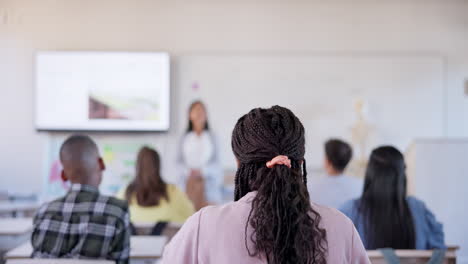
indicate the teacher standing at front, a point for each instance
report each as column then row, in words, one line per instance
column 198, row 158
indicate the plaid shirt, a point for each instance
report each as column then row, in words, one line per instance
column 83, row 224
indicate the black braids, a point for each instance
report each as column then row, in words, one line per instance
column 239, row 185
column 236, row 188
column 304, row 172
column 285, row 226
column 242, row 185
column 266, row 135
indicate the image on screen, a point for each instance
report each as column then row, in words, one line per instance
column 102, row 91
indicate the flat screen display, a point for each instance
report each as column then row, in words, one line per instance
column 102, row 91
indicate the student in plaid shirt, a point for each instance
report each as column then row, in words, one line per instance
column 82, row 224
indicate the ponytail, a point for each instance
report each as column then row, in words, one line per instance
column 285, row 226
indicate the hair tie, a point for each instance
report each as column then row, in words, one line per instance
column 279, row 160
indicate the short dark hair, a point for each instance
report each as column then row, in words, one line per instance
column 79, row 155
column 338, row 153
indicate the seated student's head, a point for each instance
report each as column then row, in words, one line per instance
column 383, row 202
column 81, row 161
column 337, row 156
column 269, row 145
column 148, row 187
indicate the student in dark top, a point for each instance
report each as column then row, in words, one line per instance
column 83, row 223
column 385, row 216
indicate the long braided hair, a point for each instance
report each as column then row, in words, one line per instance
column 285, row 226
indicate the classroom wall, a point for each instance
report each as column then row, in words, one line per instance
column 208, row 26
column 322, row 90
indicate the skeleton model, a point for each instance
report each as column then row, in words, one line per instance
column 360, row 132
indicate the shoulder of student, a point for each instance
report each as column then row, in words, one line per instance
column 173, row 190
column 349, row 208
column 330, row 217
column 413, row 200
column 330, row 214
column 171, row 187
column 340, row 230
column 114, row 206
column 49, row 206
column 121, row 193
column 416, row 204
column 222, row 215
column 110, row 206
column 354, row 179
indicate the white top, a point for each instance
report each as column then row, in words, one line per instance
column 197, row 149
column 201, row 152
column 334, row 191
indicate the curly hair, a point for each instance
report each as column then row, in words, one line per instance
column 285, row 226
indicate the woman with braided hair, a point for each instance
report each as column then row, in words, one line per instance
column 271, row 219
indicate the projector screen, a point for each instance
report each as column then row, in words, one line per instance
column 109, row 91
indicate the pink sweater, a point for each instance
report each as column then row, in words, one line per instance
column 215, row 235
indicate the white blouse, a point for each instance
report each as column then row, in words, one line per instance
column 197, row 150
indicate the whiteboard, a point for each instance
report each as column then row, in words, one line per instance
column 404, row 94
column 440, row 180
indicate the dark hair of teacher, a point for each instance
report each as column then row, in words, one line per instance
column 198, row 118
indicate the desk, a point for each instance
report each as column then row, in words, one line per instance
column 149, row 225
column 142, row 248
column 13, row 232
column 14, row 208
column 144, row 228
column 147, row 247
column 15, row 226
column 58, row 261
column 413, row 256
